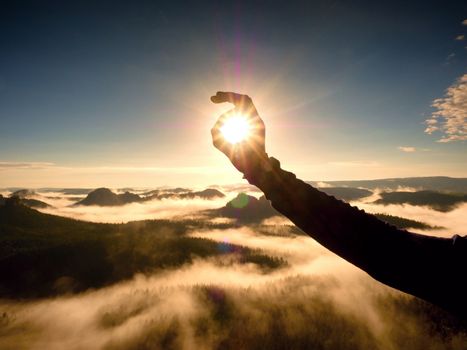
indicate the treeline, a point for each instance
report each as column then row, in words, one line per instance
column 404, row 223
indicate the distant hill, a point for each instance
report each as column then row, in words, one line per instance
column 208, row 193
column 23, row 197
column 404, row 223
column 430, row 183
column 246, row 209
column 438, row 201
column 105, row 197
column 180, row 193
column 34, row 203
column 76, row 191
column 72, row 191
column 24, row 193
column 346, row 193
column 155, row 193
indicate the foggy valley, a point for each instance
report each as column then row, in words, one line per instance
column 180, row 268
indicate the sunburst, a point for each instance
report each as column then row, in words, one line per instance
column 236, row 129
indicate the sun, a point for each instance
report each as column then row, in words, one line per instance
column 236, row 129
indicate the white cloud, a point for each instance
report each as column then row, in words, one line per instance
column 450, row 116
column 355, row 164
column 460, row 37
column 25, row 165
column 407, row 149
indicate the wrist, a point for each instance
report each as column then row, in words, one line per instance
column 258, row 168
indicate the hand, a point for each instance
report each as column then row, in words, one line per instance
column 247, row 154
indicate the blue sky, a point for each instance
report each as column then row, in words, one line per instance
column 117, row 94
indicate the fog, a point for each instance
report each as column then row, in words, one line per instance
column 452, row 222
column 154, row 209
column 318, row 298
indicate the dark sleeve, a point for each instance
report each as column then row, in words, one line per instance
column 428, row 267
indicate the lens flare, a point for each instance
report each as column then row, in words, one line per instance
column 236, row 129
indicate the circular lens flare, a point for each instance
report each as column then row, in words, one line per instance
column 236, row 129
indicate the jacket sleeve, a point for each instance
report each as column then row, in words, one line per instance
column 424, row 266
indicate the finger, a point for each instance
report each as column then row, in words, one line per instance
column 222, row 118
column 243, row 103
column 232, row 97
column 217, row 138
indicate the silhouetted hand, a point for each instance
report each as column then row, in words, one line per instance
column 250, row 152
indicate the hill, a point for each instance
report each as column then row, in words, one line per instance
column 248, row 209
column 181, row 193
column 68, row 191
column 438, row 201
column 34, row 203
column 23, row 197
column 105, row 197
column 245, row 209
column 166, row 190
column 43, row 255
column 404, row 223
column 430, row 183
column 24, row 193
column 346, row 193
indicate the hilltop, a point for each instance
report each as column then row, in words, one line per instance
column 105, row 197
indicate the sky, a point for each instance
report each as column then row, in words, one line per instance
column 117, row 94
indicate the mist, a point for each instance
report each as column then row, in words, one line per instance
column 147, row 210
column 314, row 300
column 452, row 222
column 318, row 299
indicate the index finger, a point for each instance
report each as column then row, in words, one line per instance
column 238, row 100
column 241, row 102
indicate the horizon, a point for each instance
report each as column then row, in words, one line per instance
column 213, row 185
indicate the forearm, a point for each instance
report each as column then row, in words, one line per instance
column 395, row 257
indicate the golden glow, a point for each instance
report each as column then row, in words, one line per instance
column 236, row 129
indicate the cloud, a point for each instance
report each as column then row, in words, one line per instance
column 450, row 117
column 155, row 209
column 449, row 58
column 464, row 22
column 355, row 164
column 460, row 37
column 407, row 149
column 25, row 165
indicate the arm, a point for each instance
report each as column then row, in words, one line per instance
column 427, row 267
